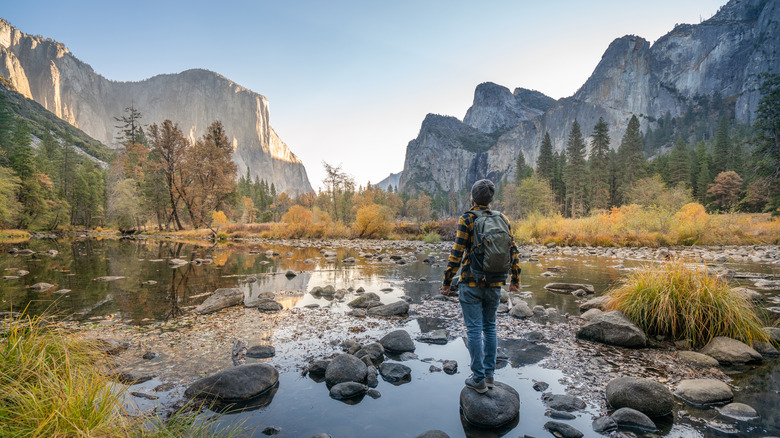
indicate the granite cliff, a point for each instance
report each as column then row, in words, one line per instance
column 45, row 71
column 724, row 55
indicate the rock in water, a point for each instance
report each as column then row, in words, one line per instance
column 614, row 329
column 261, row 351
column 395, row 372
column 108, row 279
column 704, row 392
column 393, row 309
column 345, row 390
column 365, row 301
column 645, row 395
column 698, row 359
column 345, row 368
column 521, row 310
column 397, row 341
column 235, row 384
column 729, row 351
column 494, row 408
column 562, row 402
column 738, row 411
column 631, row 418
column 562, row 430
column 374, row 351
column 41, row 286
column 220, row 299
column 433, row 434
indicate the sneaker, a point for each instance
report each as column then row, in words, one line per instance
column 481, row 387
column 490, row 382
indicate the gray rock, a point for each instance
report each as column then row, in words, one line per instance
column 397, row 341
column 631, row 418
column 704, row 392
column 563, row 402
column 290, row 273
column 729, row 351
column 748, row 294
column 434, row 369
column 738, row 411
column 40, row 287
column 439, row 337
column 773, row 333
column 131, row 377
column 604, row 424
column 144, row 395
column 272, row 430
column 112, row 347
column 408, row 356
column 393, row 309
column 645, row 395
column 318, row 367
column 365, row 301
column 569, row 287
column 345, row 390
column 175, row 263
column 373, row 351
column 357, row 313
column 562, row 430
column 433, row 434
column 595, row 303
column 261, row 351
column 521, row 310
column 107, row 279
column 560, row 415
column 345, row 368
column 494, row 408
column 698, row 359
column 321, row 435
column 540, row 386
column 268, row 306
column 371, row 377
column 234, row 384
column 450, row 367
column 395, row 372
column 220, row 299
column 614, row 329
column 765, row 349
column 592, row 313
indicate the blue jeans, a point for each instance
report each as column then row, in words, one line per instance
column 479, row 306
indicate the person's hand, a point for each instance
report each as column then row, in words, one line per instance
column 445, row 290
column 514, row 287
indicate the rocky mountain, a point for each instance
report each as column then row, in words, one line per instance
column 724, row 55
column 392, row 180
column 45, row 71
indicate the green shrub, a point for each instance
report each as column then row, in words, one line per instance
column 431, row 237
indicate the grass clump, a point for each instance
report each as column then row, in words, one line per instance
column 682, row 302
column 50, row 386
column 432, row 237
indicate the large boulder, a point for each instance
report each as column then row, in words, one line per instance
column 521, row 310
column 220, row 299
column 595, row 303
column 345, row 368
column 729, row 351
column 397, row 341
column 748, row 294
column 738, row 411
column 697, row 359
column 374, row 351
column 614, row 329
column 268, row 305
column 235, row 384
column 773, row 333
column 645, row 395
column 704, row 392
column 393, row 309
column 563, row 402
column 569, row 287
column 494, row 408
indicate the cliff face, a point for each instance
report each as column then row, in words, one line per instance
column 45, row 71
column 724, row 54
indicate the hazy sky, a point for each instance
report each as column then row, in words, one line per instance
column 351, row 81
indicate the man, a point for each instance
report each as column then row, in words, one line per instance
column 478, row 300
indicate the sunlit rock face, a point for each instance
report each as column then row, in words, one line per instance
column 46, row 71
column 724, row 54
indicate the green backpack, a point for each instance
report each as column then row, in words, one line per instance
column 490, row 248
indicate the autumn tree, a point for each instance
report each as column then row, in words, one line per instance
column 169, row 143
column 339, row 189
column 725, row 189
column 575, row 172
column 420, row 207
column 600, row 174
column 372, row 222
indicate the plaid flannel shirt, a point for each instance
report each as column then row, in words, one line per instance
column 459, row 256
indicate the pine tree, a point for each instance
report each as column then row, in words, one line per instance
column 575, row 172
column 721, row 154
column 545, row 164
column 679, row 169
column 130, row 127
column 704, row 178
column 631, row 157
column 599, row 166
column 522, row 170
column 768, row 138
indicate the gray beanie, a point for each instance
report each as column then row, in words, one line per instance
column 482, row 191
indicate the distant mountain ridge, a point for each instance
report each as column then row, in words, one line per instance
column 724, row 54
column 45, row 71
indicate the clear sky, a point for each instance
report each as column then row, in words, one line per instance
column 350, row 82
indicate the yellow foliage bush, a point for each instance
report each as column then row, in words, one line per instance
column 219, row 220
column 690, row 224
column 372, row 222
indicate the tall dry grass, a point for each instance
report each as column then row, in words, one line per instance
column 633, row 225
column 683, row 301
